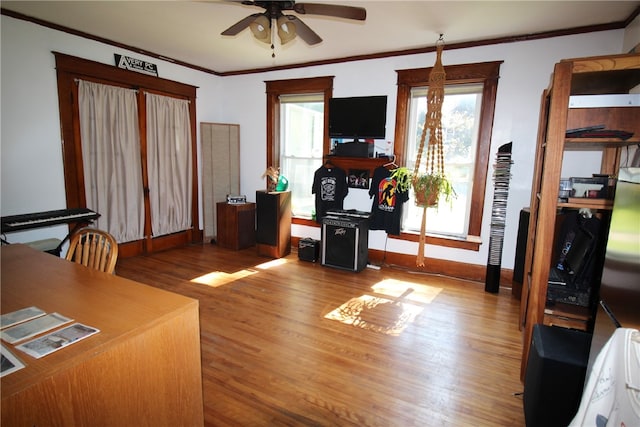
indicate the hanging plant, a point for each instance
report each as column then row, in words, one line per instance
column 428, row 188
column 430, row 185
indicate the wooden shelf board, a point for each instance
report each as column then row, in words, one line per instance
column 585, row 202
column 565, row 322
column 599, row 142
column 348, row 163
column 568, row 310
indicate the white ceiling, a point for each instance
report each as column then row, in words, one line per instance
column 190, row 31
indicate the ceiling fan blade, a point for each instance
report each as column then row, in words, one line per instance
column 303, row 30
column 339, row 11
column 240, row 25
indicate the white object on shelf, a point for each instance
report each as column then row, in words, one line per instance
column 598, row 101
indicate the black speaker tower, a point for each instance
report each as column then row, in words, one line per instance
column 521, row 246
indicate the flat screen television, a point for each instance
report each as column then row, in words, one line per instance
column 360, row 117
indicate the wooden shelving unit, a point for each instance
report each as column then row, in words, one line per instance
column 616, row 74
column 361, row 163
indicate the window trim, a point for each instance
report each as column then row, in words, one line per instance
column 486, row 73
column 274, row 89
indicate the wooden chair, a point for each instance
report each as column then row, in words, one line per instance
column 93, row 248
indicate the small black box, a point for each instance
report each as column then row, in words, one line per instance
column 354, row 149
column 308, row 249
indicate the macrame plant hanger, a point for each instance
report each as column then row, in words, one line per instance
column 433, row 123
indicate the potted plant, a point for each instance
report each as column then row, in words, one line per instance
column 427, row 187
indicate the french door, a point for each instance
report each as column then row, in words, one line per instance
column 129, row 153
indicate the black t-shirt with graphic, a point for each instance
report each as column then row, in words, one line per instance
column 386, row 211
column 330, row 188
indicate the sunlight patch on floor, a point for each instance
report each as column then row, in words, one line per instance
column 270, row 264
column 377, row 314
column 423, row 294
column 396, row 305
column 220, row 278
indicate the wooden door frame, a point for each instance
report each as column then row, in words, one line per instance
column 68, row 70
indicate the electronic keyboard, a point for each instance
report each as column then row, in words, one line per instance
column 47, row 219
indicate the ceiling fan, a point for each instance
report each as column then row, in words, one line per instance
column 288, row 26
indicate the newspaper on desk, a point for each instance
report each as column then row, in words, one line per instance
column 33, row 327
column 9, row 362
column 56, row 340
column 20, row 316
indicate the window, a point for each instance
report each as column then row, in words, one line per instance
column 301, row 143
column 297, row 135
column 467, row 119
column 460, row 113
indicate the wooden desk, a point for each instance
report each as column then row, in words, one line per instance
column 142, row 369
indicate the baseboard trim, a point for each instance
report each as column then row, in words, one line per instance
column 459, row 270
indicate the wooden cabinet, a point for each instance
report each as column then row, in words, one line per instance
column 236, row 225
column 616, row 74
column 273, row 223
column 220, row 170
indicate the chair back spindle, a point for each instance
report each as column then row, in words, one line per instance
column 94, row 248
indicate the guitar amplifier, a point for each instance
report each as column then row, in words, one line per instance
column 345, row 242
column 308, row 249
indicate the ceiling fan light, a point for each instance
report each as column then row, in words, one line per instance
column 286, row 29
column 260, row 29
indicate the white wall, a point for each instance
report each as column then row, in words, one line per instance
column 32, row 174
column 632, row 36
column 526, row 71
column 31, row 156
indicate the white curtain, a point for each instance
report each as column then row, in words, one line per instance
column 109, row 132
column 169, row 163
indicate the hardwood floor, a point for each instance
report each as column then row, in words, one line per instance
column 435, row 351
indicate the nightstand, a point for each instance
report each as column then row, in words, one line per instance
column 236, row 225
